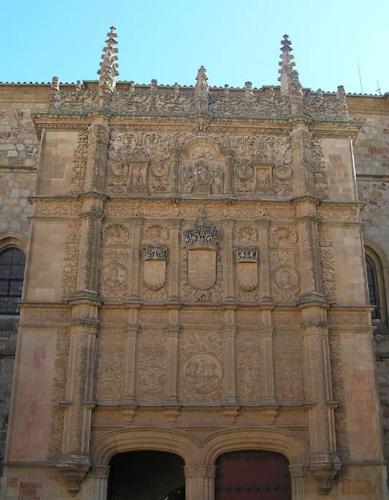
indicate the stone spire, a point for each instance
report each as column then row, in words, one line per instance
column 108, row 68
column 201, row 91
column 289, row 77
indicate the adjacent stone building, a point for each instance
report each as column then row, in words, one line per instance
column 202, row 307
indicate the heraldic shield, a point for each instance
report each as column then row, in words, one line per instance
column 202, row 268
column 247, row 268
column 154, row 271
column 202, row 243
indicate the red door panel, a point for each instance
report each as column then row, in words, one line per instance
column 252, row 475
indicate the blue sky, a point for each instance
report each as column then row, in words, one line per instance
column 236, row 40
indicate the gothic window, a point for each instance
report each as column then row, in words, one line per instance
column 373, row 288
column 376, row 281
column 12, row 262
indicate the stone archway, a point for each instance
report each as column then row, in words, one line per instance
column 146, row 475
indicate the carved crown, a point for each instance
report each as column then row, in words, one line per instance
column 154, row 252
column 202, row 235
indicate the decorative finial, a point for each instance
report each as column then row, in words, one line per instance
column 248, row 90
column 55, row 83
column 108, row 68
column 201, row 89
column 289, row 78
column 341, row 95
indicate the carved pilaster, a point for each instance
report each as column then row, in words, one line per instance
column 324, row 463
column 300, row 142
column 90, row 231
column 74, row 462
column 264, row 264
column 309, row 251
column 98, row 136
column 134, row 274
column 131, row 337
column 229, row 154
column 267, row 358
column 174, row 262
column 172, row 363
column 199, row 480
column 230, row 357
column 228, row 267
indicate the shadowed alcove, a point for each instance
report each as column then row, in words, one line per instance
column 146, row 475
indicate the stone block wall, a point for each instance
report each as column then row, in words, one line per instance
column 371, row 152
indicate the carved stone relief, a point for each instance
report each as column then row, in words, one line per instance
column 288, row 363
column 151, row 365
column 203, row 372
column 327, row 266
column 58, row 394
column 253, row 178
column 285, row 277
column 201, row 369
column 114, row 283
column 246, row 234
column 201, row 169
column 319, row 180
column 115, row 273
column 80, row 160
column 70, row 269
column 249, row 369
column 154, row 233
column 110, row 366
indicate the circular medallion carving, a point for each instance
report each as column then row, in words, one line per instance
column 286, row 277
column 160, row 169
column 203, row 372
column 244, row 171
column 282, row 172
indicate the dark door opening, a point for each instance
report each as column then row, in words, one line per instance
column 146, row 475
column 252, row 475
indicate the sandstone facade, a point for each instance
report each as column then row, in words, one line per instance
column 196, row 281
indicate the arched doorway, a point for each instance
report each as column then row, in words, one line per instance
column 146, row 475
column 252, row 475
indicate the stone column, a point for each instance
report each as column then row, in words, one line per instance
column 324, row 462
column 98, row 484
column 175, row 261
column 200, row 482
column 297, row 479
column 264, row 260
column 134, row 274
column 228, row 262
